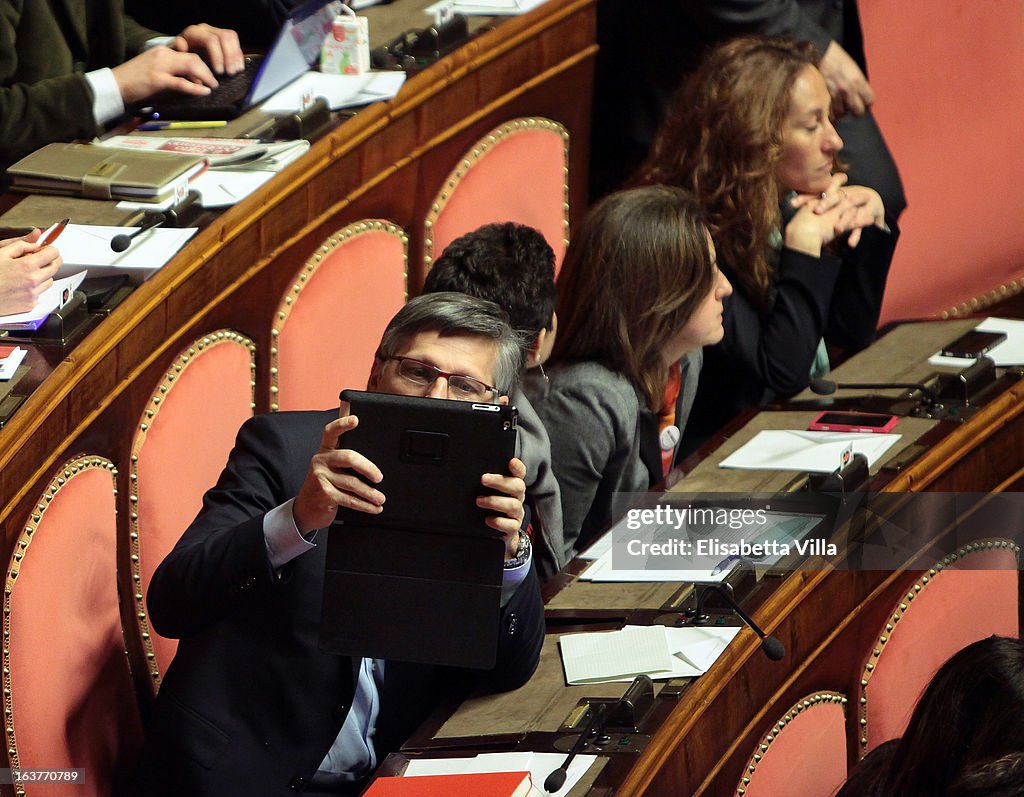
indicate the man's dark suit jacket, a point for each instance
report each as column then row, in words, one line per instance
column 45, row 47
column 250, row 705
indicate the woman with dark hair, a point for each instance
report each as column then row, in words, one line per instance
column 966, row 735
column 639, row 294
column 752, row 137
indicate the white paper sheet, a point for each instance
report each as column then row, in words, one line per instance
column 816, row 452
column 1009, row 352
column 602, row 571
column 610, row 655
column 694, row 649
column 53, row 297
column 9, row 364
column 340, row 91
column 539, row 765
column 497, row 8
column 88, row 246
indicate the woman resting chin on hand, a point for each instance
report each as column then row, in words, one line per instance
column 752, row 137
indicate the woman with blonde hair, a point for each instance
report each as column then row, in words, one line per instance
column 639, row 294
column 752, row 137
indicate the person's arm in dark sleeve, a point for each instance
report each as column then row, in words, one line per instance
column 853, row 317
column 32, row 114
column 521, row 636
column 221, row 560
column 727, row 18
column 776, row 347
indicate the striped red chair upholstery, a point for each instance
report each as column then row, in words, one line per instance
column 328, row 324
column 69, row 701
column 178, row 451
column 968, row 596
column 803, row 754
column 517, row 172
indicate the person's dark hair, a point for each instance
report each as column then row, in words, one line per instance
column 451, row 314
column 723, row 141
column 632, row 277
column 1003, row 777
column 509, row 264
column 969, row 717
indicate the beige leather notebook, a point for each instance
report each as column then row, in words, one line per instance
column 103, row 173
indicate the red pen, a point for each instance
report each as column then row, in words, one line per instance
column 54, row 233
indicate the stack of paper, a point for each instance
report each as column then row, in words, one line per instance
column 218, row 152
column 88, row 246
column 655, row 650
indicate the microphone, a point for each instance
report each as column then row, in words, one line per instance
column 826, row 387
column 152, row 219
column 556, row 780
column 772, row 648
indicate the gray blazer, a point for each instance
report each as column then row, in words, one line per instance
column 604, row 442
column 542, row 493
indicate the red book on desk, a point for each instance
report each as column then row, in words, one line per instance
column 484, row 784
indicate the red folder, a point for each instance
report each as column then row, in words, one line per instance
column 485, row 784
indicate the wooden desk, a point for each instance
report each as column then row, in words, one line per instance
column 826, row 618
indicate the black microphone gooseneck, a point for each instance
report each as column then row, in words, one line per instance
column 152, row 219
column 556, row 780
column 772, row 648
column 826, row 387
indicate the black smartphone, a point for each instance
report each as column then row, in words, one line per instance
column 973, row 344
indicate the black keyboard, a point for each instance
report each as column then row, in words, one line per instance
column 224, row 102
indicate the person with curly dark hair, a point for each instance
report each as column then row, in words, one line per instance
column 752, row 137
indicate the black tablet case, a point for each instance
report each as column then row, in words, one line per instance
column 421, row 581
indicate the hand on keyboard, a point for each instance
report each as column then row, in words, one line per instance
column 161, row 68
column 221, row 46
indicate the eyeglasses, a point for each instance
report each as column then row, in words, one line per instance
column 421, row 374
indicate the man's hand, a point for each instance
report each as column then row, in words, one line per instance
column 221, row 46
column 160, row 68
column 509, row 507
column 849, row 87
column 331, row 481
column 26, row 270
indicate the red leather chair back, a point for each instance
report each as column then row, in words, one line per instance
column 68, row 696
column 803, row 754
column 179, row 449
column 329, row 322
column 517, row 172
column 970, row 595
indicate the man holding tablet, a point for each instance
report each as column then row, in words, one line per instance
column 250, row 704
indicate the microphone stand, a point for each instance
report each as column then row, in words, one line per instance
column 772, row 648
